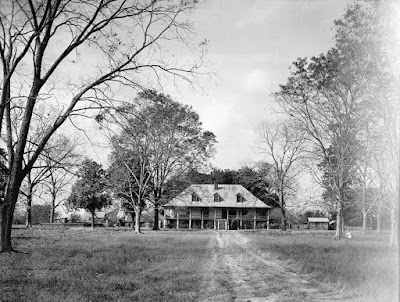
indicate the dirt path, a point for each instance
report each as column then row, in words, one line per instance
column 239, row 272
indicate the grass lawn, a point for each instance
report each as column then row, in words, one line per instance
column 116, row 265
column 104, row 265
column 364, row 265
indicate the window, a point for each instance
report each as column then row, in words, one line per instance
column 206, row 213
column 232, row 212
column 217, row 198
column 224, row 214
column 195, row 197
column 239, row 197
column 262, row 212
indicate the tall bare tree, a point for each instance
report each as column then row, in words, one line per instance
column 320, row 97
column 79, row 56
column 368, row 31
column 62, row 160
column 58, row 156
column 129, row 171
column 282, row 145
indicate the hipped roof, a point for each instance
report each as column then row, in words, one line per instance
column 228, row 197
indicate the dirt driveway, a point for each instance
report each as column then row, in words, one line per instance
column 240, row 272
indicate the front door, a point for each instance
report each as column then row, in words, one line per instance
column 222, row 225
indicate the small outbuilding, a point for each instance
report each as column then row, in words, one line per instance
column 318, row 223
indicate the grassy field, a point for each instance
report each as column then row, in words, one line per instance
column 364, row 265
column 103, row 265
column 116, row 265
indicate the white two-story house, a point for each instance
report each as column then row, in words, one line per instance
column 217, row 206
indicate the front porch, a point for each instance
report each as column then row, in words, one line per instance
column 217, row 219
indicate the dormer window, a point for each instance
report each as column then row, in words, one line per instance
column 239, row 197
column 217, row 198
column 195, row 197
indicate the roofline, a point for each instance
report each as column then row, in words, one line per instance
column 220, row 207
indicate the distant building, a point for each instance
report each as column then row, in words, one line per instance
column 318, row 223
column 217, row 206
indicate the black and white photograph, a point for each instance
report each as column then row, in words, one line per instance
column 199, row 150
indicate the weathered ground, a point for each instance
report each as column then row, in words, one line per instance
column 240, row 272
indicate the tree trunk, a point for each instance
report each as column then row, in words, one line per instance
column 379, row 219
column 7, row 212
column 393, row 229
column 364, row 220
column 5, row 246
column 92, row 220
column 53, row 208
column 52, row 213
column 155, row 226
column 133, row 220
column 283, row 210
column 283, row 220
column 137, row 219
column 28, row 222
column 339, row 221
column 6, row 226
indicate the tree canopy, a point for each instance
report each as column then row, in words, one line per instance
column 88, row 191
column 75, row 58
column 162, row 139
column 346, row 101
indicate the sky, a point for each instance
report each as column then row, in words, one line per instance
column 251, row 46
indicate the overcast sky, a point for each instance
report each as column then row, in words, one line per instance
column 252, row 44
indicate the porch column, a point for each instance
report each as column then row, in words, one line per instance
column 177, row 220
column 241, row 219
column 255, row 218
column 267, row 219
column 190, row 219
column 202, row 219
column 165, row 219
column 215, row 219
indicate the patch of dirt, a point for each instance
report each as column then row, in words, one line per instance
column 240, row 272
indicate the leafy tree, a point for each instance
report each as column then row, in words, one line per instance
column 258, row 182
column 223, row 176
column 93, row 49
column 75, row 217
column 196, row 177
column 167, row 138
column 41, row 213
column 88, row 191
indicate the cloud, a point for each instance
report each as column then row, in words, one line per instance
column 256, row 81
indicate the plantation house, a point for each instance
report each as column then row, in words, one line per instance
column 221, row 207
